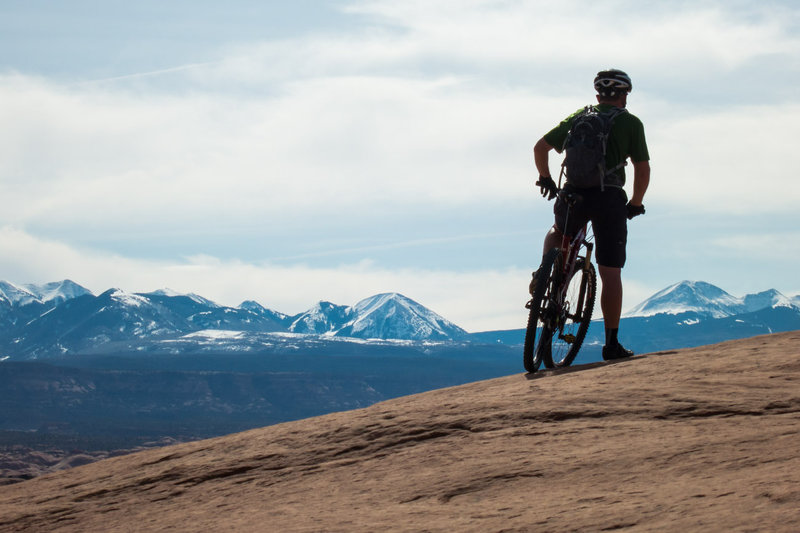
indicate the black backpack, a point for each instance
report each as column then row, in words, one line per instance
column 585, row 146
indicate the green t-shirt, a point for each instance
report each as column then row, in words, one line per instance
column 626, row 138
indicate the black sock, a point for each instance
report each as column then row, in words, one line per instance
column 611, row 336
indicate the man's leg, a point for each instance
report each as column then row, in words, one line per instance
column 611, row 296
column 552, row 239
column 611, row 304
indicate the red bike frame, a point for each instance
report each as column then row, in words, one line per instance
column 570, row 249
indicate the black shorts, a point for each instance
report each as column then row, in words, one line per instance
column 609, row 217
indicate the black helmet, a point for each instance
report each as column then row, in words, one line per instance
column 612, row 82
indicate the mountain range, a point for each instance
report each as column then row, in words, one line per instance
column 60, row 319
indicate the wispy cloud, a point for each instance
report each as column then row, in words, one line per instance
column 405, row 244
column 143, row 75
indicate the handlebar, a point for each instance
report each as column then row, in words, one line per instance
column 550, row 190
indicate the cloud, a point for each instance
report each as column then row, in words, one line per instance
column 761, row 245
column 329, row 146
column 725, row 34
column 735, row 161
column 412, row 111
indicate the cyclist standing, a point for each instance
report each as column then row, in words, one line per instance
column 607, row 206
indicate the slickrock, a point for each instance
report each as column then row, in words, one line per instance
column 699, row 439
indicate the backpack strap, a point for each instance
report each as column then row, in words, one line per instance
column 611, row 115
column 578, row 115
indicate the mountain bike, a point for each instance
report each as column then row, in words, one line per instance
column 563, row 293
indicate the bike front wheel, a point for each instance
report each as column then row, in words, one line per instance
column 564, row 324
column 531, row 357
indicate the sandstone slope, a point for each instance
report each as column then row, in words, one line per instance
column 699, row 439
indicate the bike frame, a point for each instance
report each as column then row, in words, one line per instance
column 570, row 250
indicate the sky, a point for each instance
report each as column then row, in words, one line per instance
column 292, row 152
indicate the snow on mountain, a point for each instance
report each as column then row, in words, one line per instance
column 394, row 316
column 172, row 294
column 323, row 318
column 253, row 307
column 132, row 300
column 201, row 313
column 122, row 315
column 690, row 296
column 57, row 291
column 16, row 295
column 259, row 310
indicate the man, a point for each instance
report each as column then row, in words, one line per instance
column 605, row 206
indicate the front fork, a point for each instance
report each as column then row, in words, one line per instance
column 577, row 306
column 587, row 265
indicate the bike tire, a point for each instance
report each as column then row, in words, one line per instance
column 559, row 346
column 531, row 358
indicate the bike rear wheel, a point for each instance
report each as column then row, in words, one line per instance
column 564, row 326
column 531, row 358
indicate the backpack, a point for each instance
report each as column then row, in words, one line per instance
column 585, row 146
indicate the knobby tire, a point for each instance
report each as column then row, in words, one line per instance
column 562, row 337
column 531, row 356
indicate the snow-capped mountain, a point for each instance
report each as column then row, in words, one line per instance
column 383, row 316
column 58, row 291
column 19, row 304
column 14, row 295
column 55, row 292
column 701, row 298
column 393, row 316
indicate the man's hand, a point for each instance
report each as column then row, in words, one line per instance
column 547, row 187
column 634, row 210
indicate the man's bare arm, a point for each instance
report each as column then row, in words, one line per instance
column 641, row 180
column 541, row 157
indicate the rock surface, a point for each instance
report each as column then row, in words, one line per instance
column 19, row 463
column 699, row 439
